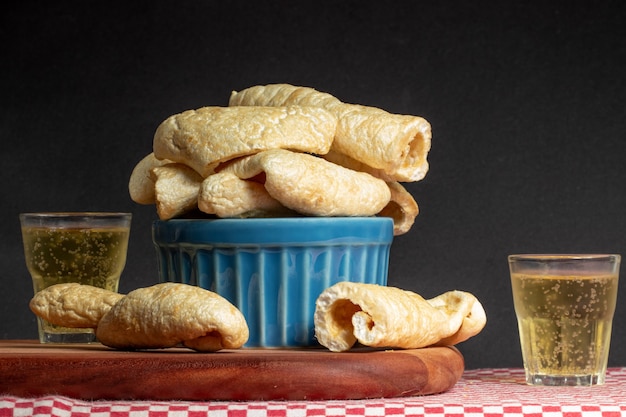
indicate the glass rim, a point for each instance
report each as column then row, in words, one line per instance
column 71, row 214
column 556, row 257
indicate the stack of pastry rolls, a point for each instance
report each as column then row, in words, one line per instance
column 279, row 150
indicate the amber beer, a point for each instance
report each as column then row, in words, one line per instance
column 565, row 315
column 91, row 252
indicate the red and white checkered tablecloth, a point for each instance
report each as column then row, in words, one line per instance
column 480, row 393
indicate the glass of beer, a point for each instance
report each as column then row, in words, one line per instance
column 564, row 306
column 86, row 248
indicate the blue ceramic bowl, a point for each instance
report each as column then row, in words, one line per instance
column 273, row 270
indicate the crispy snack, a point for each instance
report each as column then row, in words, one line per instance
column 277, row 95
column 141, row 183
column 345, row 161
column 167, row 314
column 456, row 302
column 402, row 208
column 381, row 316
column 313, row 186
column 397, row 145
column 176, row 189
column 209, row 136
column 73, row 305
column 226, row 195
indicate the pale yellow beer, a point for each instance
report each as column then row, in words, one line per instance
column 564, row 320
column 74, row 251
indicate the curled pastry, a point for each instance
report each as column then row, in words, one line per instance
column 402, row 208
column 209, row 136
column 313, row 186
column 348, row 162
column 277, row 95
column 141, row 183
column 167, row 314
column 456, row 302
column 73, row 305
column 380, row 316
column 395, row 144
column 226, row 195
column 176, row 189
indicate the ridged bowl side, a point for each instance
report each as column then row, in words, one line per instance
column 275, row 285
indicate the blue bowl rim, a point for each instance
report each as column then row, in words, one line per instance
column 275, row 231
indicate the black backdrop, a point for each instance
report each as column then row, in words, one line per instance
column 526, row 100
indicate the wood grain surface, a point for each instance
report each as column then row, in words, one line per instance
column 93, row 371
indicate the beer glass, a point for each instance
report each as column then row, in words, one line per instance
column 86, row 248
column 564, row 306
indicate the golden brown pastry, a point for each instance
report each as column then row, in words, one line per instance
column 396, row 145
column 73, row 305
column 176, row 189
column 380, row 316
column 402, row 208
column 456, row 302
column 313, row 186
column 209, row 136
column 167, row 314
column 226, row 195
column 160, row 316
column 141, row 183
column 345, row 161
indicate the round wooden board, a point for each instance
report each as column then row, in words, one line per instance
column 93, row 371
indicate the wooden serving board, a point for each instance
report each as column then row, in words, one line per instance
column 93, row 371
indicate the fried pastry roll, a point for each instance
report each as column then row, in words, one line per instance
column 313, row 186
column 176, row 189
column 226, row 195
column 394, row 144
column 141, row 183
column 167, row 314
column 380, row 316
column 73, row 305
column 402, row 208
column 457, row 302
column 206, row 137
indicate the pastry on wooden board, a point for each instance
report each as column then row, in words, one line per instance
column 168, row 314
column 160, row 316
column 381, row 316
column 73, row 304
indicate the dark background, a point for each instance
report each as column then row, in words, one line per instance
column 526, row 100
